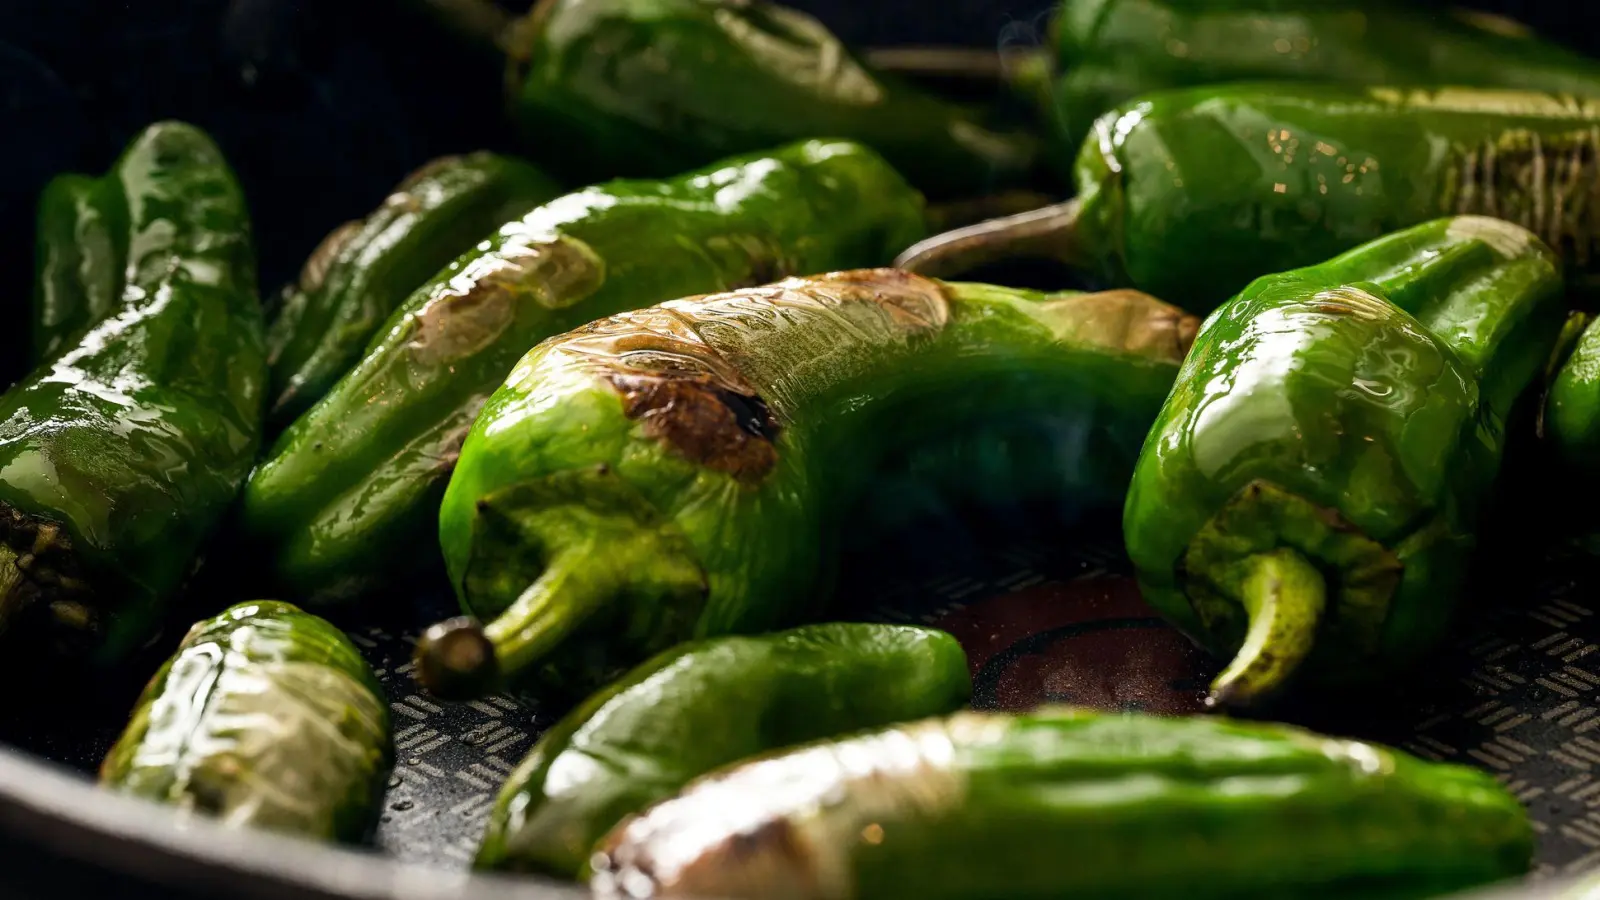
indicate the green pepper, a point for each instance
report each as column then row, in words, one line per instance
column 1572, row 413
column 119, row 456
column 267, row 717
column 1111, row 51
column 1309, row 496
column 1064, row 802
column 348, row 492
column 652, row 87
column 685, row 470
column 363, row 270
column 81, row 241
column 703, row 705
column 1192, row 194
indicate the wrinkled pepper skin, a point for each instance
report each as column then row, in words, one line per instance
column 119, row 456
column 363, row 270
column 652, row 87
column 686, row 470
column 1073, row 803
column 86, row 246
column 1111, row 51
column 704, row 705
column 1309, row 496
column 348, row 493
column 1192, row 194
column 265, row 717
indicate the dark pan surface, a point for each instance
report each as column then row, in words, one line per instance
column 323, row 107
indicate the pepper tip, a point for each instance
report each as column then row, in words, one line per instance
column 456, row 661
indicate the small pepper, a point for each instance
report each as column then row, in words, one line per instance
column 344, row 500
column 1309, row 496
column 265, row 717
column 120, row 454
column 686, row 470
column 1192, row 194
column 1064, row 802
column 701, row 706
column 80, row 249
column 1572, row 412
column 1111, row 51
column 652, row 87
column 363, row 270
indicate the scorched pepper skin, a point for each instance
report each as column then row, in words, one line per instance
column 685, row 470
column 1111, row 51
column 1192, row 194
column 344, row 500
column 1073, row 803
column 119, row 456
column 701, row 706
column 365, row 269
column 265, row 717
column 1309, row 496
column 653, row 87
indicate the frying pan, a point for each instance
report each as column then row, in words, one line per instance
column 322, row 107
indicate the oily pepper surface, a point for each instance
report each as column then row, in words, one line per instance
column 354, row 280
column 267, row 717
column 703, row 705
column 1309, row 497
column 653, row 87
column 687, row 470
column 120, row 454
column 1065, row 802
column 345, row 499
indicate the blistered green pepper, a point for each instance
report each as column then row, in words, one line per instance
column 653, row 87
column 81, row 249
column 1072, row 803
column 346, row 497
column 120, row 454
column 1192, row 194
column 686, row 470
column 1309, row 496
column 703, row 705
column 1572, row 412
column 363, row 270
column 266, row 717
column 1111, row 51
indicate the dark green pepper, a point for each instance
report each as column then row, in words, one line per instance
column 118, row 457
column 1111, row 51
column 1192, row 194
column 81, row 243
column 701, row 706
column 347, row 494
column 1072, row 803
column 653, row 87
column 685, row 470
column 1572, row 412
column 363, row 270
column 1309, row 497
column 267, row 717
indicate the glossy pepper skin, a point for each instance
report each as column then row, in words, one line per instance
column 1111, row 51
column 1073, row 803
column 686, row 470
column 1572, row 410
column 1192, row 194
column 349, row 492
column 652, row 87
column 119, row 456
column 87, row 246
column 363, row 270
column 265, row 717
column 704, row 705
column 1309, row 496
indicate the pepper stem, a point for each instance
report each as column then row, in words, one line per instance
column 976, row 210
column 1049, row 233
column 1284, row 595
column 461, row 659
column 963, row 63
column 11, row 583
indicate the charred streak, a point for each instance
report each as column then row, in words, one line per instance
column 717, row 427
column 53, row 585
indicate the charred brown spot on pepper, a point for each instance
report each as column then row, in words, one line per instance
column 48, row 575
column 315, row 271
column 720, row 428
